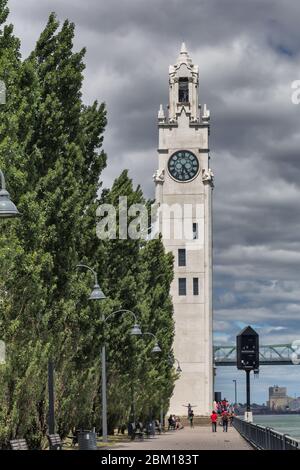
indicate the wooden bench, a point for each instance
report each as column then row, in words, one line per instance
column 55, row 442
column 136, row 431
column 139, row 433
column 150, row 429
column 171, row 427
column 158, row 427
column 18, row 444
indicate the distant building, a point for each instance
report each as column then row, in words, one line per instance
column 278, row 398
column 295, row 404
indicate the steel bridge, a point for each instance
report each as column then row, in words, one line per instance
column 269, row 355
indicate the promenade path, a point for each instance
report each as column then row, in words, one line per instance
column 197, row 438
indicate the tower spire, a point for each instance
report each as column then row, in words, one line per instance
column 184, row 55
column 183, row 49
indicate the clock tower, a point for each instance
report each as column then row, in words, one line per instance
column 184, row 183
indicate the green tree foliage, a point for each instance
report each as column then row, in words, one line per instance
column 51, row 153
column 139, row 274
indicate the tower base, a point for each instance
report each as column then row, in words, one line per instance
column 197, row 421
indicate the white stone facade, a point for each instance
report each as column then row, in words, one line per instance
column 186, row 127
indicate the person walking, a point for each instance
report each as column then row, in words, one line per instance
column 189, row 407
column 214, row 420
column 171, row 422
column 178, row 423
column 224, row 404
column 191, row 418
column 225, row 420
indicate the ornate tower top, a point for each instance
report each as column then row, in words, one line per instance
column 184, row 55
column 183, row 92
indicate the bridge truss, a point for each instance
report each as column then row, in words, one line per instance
column 269, row 355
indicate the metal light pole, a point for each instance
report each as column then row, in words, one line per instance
column 7, row 207
column 97, row 294
column 134, row 331
column 51, row 418
column 103, row 392
column 235, row 392
column 171, row 360
column 248, row 409
column 156, row 348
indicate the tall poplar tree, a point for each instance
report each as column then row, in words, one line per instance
column 139, row 274
column 51, row 147
column 51, row 153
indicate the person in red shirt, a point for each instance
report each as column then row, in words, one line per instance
column 214, row 420
column 224, row 404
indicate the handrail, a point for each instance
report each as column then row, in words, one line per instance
column 265, row 438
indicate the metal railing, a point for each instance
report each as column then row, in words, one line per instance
column 265, row 438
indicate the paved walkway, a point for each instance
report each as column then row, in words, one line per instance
column 198, row 438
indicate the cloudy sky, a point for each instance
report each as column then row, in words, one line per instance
column 248, row 54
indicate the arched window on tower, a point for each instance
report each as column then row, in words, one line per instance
column 183, row 95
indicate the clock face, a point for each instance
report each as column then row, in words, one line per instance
column 183, row 165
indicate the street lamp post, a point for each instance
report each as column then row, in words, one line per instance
column 235, row 392
column 8, row 209
column 156, row 348
column 97, row 294
column 171, row 362
column 135, row 331
column 51, row 417
column 178, row 366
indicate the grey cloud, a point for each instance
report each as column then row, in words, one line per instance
column 248, row 53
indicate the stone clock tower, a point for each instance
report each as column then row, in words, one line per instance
column 184, row 183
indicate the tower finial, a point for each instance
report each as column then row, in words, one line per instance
column 184, row 55
column 161, row 114
column 183, row 49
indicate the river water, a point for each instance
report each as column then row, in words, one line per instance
column 286, row 424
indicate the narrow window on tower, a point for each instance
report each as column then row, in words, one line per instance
column 181, row 257
column 195, row 286
column 183, row 95
column 182, row 286
column 195, row 231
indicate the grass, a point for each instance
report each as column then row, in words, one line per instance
column 112, row 441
